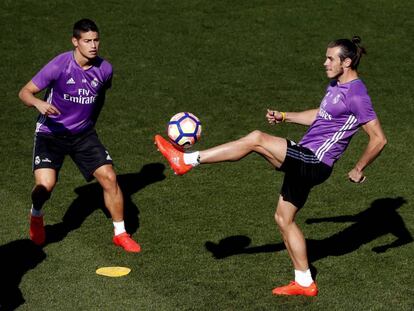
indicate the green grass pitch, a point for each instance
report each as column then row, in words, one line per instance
column 209, row 239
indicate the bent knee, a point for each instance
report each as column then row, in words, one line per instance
column 45, row 185
column 283, row 220
column 255, row 137
column 107, row 178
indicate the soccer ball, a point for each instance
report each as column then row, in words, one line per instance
column 184, row 130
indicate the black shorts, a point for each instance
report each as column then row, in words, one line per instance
column 303, row 170
column 85, row 149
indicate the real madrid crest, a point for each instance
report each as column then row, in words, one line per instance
column 95, row 82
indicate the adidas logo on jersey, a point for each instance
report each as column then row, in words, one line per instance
column 71, row 81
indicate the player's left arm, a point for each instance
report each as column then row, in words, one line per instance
column 100, row 99
column 305, row 117
column 377, row 142
column 99, row 102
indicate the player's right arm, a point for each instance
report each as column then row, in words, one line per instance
column 27, row 95
column 303, row 117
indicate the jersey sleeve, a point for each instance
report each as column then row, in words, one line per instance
column 108, row 83
column 361, row 106
column 108, row 75
column 49, row 73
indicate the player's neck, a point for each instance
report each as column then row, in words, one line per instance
column 83, row 62
column 348, row 76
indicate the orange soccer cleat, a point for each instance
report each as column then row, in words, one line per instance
column 125, row 241
column 37, row 230
column 174, row 156
column 295, row 289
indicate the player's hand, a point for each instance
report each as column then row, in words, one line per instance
column 46, row 109
column 356, row 176
column 274, row 116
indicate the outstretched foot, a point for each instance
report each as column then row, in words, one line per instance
column 174, row 156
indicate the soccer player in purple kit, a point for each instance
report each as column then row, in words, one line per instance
column 76, row 83
column 345, row 108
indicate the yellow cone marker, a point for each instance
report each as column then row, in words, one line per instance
column 113, row 271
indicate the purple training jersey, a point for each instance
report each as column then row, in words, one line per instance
column 343, row 110
column 73, row 91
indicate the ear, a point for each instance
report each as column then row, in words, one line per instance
column 347, row 62
column 75, row 42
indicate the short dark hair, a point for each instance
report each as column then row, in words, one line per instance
column 351, row 49
column 84, row 25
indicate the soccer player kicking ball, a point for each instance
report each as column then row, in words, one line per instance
column 76, row 82
column 345, row 108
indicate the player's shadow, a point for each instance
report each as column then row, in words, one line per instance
column 20, row 256
column 16, row 258
column 379, row 219
column 90, row 198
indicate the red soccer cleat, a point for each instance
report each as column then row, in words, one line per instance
column 174, row 156
column 125, row 241
column 295, row 289
column 37, row 231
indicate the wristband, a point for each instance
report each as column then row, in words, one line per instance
column 283, row 116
